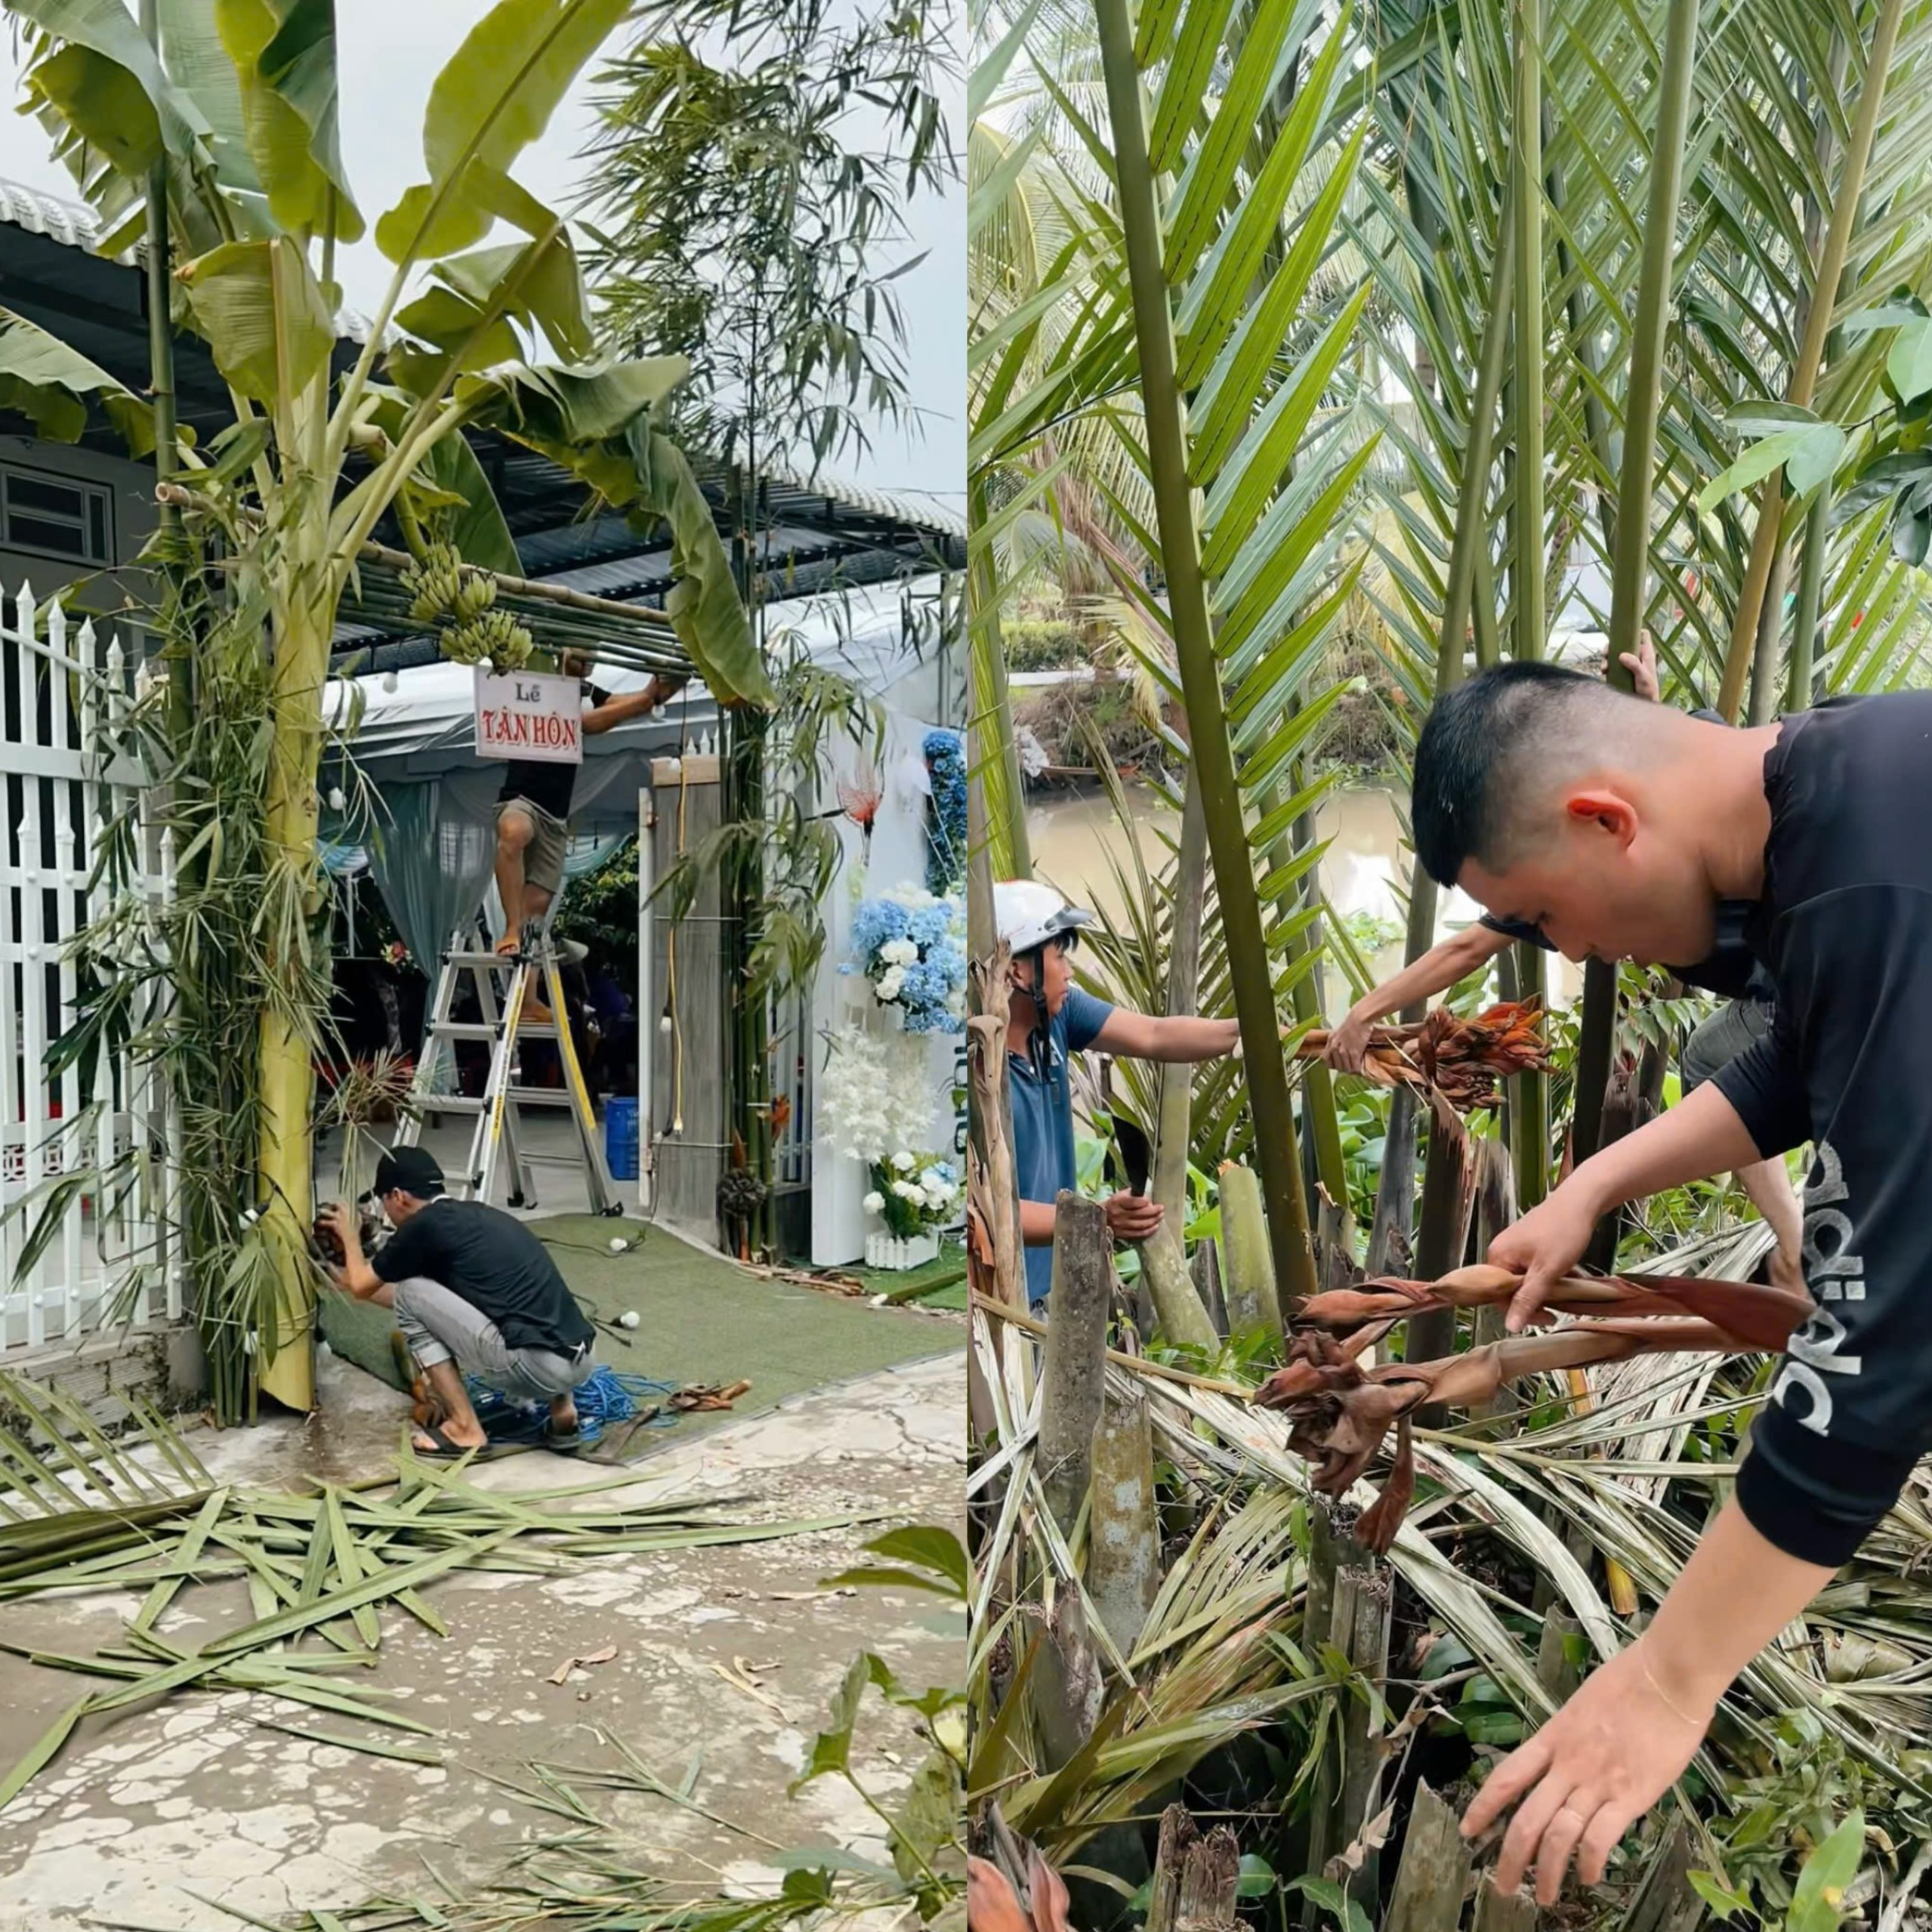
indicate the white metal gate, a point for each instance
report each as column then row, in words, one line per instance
column 109, row 1259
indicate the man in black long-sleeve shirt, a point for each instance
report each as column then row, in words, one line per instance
column 1617, row 829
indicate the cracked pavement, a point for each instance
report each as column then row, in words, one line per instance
column 726, row 1660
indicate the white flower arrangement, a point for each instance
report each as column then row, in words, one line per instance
column 875, row 1095
column 923, row 1193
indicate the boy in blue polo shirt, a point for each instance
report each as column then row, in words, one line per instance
column 1050, row 1019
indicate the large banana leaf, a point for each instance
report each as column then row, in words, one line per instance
column 494, row 97
column 282, row 56
column 52, row 385
column 598, row 423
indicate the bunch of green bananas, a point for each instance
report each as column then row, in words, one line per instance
column 435, row 581
column 495, row 636
column 462, row 603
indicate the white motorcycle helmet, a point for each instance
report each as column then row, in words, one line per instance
column 1029, row 915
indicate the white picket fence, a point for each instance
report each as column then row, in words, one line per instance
column 109, row 1260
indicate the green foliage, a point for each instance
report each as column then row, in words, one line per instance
column 182, row 981
column 791, row 851
column 1795, row 1838
column 752, row 174
column 600, row 911
column 1032, row 645
column 927, row 1857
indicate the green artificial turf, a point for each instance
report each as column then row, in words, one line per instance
column 701, row 1320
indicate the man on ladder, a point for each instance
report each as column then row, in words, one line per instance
column 533, row 830
column 533, row 817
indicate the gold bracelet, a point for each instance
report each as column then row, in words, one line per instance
column 1670, row 1703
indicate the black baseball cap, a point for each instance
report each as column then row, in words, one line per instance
column 412, row 1169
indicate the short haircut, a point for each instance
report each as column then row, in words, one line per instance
column 1484, row 746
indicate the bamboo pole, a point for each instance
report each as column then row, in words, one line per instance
column 1629, row 579
column 1177, row 1305
column 1173, row 1130
column 1247, row 1257
column 1811, row 354
column 1274, row 1140
column 1389, row 1229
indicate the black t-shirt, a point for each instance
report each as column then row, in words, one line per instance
column 549, row 787
column 1845, row 926
column 496, row 1264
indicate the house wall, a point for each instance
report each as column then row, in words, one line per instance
column 119, row 588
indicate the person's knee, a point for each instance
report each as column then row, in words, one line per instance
column 515, row 831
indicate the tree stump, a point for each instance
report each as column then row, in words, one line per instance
column 1195, row 1876
column 1434, row 1873
column 1123, row 1537
column 1498, row 1911
column 1350, row 1597
column 1075, row 1372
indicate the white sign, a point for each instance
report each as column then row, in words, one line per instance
column 527, row 714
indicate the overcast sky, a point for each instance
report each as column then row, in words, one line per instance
column 390, row 52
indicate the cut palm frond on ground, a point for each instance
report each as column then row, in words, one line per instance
column 320, row 1566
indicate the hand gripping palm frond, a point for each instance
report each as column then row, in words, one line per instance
column 1339, row 1413
column 1462, row 1060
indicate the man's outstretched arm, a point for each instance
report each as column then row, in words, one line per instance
column 1703, row 1135
column 614, row 711
column 1439, row 968
column 1180, row 1041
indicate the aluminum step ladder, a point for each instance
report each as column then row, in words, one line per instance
column 498, row 1109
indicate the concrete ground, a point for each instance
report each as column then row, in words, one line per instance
column 727, row 1659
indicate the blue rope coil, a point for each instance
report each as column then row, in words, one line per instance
column 605, row 1397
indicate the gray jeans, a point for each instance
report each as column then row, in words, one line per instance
column 1715, row 1043
column 440, row 1326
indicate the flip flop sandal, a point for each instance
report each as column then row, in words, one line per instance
column 445, row 1450
column 562, row 1441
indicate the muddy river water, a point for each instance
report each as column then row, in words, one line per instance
column 1075, row 838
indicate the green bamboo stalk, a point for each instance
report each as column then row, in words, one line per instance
column 1811, row 354
column 1630, row 576
column 1175, row 1113
column 1529, row 1117
column 1764, row 685
column 1275, row 1142
column 1526, row 214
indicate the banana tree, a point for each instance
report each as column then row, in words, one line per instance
column 234, row 108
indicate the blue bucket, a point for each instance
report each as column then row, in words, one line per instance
column 620, row 1137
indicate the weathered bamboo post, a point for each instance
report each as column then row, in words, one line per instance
column 1434, row 1873
column 1066, row 1689
column 1123, row 1537
column 1350, row 1598
column 1177, row 1305
column 1498, row 1911
column 1334, row 1241
column 1247, row 1259
column 1195, row 1877
column 1076, row 1370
